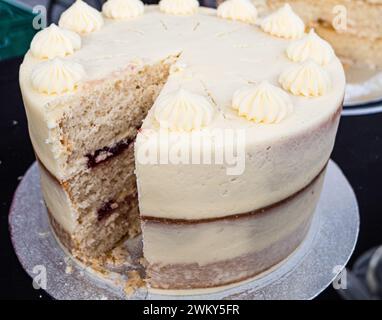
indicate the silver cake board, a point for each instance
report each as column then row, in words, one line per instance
column 306, row 273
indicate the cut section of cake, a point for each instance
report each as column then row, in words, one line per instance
column 196, row 129
column 85, row 140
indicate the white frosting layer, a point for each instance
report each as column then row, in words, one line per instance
column 311, row 47
column 307, row 79
column 183, row 111
column 284, row 23
column 81, row 18
column 241, row 10
column 179, row 7
column 122, row 9
column 220, row 57
column 54, row 42
column 56, row 76
column 223, row 240
column 262, row 103
column 58, row 202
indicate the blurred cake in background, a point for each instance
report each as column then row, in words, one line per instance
column 354, row 28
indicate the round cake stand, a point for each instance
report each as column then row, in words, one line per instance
column 307, row 272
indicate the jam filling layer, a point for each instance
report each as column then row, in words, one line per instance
column 104, row 154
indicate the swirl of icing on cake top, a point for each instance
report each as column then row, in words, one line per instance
column 54, row 42
column 284, row 23
column 179, row 7
column 307, row 79
column 56, row 76
column 123, row 9
column 262, row 103
column 81, row 18
column 311, row 47
column 183, row 111
column 241, row 10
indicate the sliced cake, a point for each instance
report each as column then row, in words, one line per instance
column 118, row 101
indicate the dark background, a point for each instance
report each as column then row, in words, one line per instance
column 358, row 151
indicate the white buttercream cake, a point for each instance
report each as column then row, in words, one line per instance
column 117, row 100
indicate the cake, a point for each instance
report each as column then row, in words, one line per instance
column 353, row 27
column 208, row 131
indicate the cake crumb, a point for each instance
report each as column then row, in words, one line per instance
column 69, row 266
column 118, row 256
column 98, row 268
column 68, row 269
column 133, row 283
column 143, row 262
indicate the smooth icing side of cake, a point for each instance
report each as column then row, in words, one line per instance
column 219, row 252
column 214, row 240
column 58, row 201
column 273, row 171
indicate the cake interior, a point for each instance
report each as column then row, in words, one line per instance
column 96, row 133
